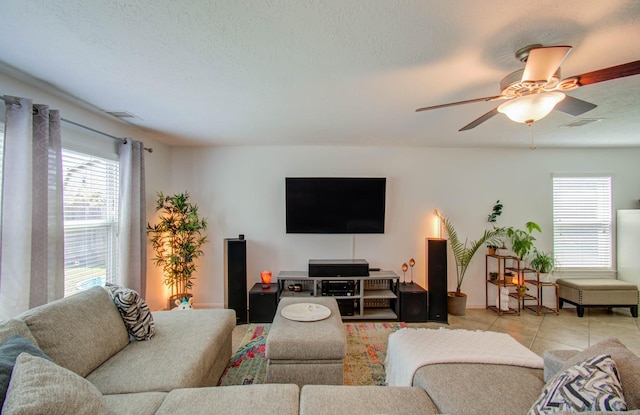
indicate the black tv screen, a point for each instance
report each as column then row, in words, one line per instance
column 335, row 204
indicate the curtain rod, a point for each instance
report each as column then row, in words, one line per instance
column 93, row 130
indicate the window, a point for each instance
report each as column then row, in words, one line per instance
column 582, row 222
column 90, row 186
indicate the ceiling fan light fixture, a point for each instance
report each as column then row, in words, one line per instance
column 530, row 108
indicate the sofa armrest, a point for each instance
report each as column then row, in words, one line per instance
column 553, row 361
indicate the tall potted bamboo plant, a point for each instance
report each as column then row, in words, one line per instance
column 177, row 239
column 463, row 252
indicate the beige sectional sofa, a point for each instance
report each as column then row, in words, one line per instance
column 177, row 368
column 176, row 371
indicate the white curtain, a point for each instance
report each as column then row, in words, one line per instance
column 31, row 227
column 132, row 219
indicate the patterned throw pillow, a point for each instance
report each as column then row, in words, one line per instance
column 591, row 385
column 134, row 311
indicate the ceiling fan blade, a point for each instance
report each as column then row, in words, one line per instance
column 469, row 101
column 480, row 120
column 606, row 74
column 543, row 62
column 574, row 106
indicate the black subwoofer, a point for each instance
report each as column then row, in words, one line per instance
column 413, row 303
column 235, row 271
column 436, row 255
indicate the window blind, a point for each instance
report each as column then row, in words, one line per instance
column 582, row 222
column 90, row 200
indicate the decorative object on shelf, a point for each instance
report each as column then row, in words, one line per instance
column 496, row 212
column 412, row 262
column 463, row 252
column 521, row 240
column 502, row 301
column 295, row 287
column 493, row 276
column 265, row 277
column 305, row 312
column 176, row 239
column 522, row 290
column 404, row 272
column 543, row 262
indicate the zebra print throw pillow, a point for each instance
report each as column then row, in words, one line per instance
column 134, row 311
column 591, row 385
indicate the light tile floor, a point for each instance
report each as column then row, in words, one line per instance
column 540, row 333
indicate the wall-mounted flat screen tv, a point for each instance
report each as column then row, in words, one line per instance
column 335, row 204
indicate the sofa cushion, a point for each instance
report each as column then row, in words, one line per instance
column 78, row 332
column 39, row 386
column 280, row 399
column 473, row 388
column 627, row 362
column 134, row 311
column 591, row 385
column 553, row 361
column 364, row 400
column 11, row 327
column 9, row 352
column 141, row 403
column 189, row 349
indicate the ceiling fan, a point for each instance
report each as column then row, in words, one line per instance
column 532, row 92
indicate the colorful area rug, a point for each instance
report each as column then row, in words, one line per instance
column 364, row 364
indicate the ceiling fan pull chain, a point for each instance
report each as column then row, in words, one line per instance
column 533, row 147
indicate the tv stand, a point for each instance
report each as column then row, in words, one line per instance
column 375, row 297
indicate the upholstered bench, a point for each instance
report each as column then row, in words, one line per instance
column 598, row 292
column 306, row 352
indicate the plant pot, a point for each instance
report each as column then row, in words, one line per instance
column 546, row 277
column 456, row 303
column 492, row 251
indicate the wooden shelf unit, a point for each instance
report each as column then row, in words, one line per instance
column 524, row 277
column 501, row 282
column 376, row 295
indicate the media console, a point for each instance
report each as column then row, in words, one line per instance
column 373, row 297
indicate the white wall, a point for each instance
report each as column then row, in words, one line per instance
column 241, row 190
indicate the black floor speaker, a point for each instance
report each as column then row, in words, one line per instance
column 436, row 256
column 235, row 271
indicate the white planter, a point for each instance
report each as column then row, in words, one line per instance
column 547, row 277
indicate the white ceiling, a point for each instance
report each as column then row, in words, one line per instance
column 325, row 72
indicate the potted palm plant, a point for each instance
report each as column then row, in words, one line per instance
column 463, row 252
column 177, row 239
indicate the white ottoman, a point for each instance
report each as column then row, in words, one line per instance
column 306, row 352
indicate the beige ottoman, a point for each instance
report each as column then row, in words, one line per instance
column 598, row 292
column 306, row 352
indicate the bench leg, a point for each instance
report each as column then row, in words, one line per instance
column 560, row 302
column 580, row 310
column 634, row 310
